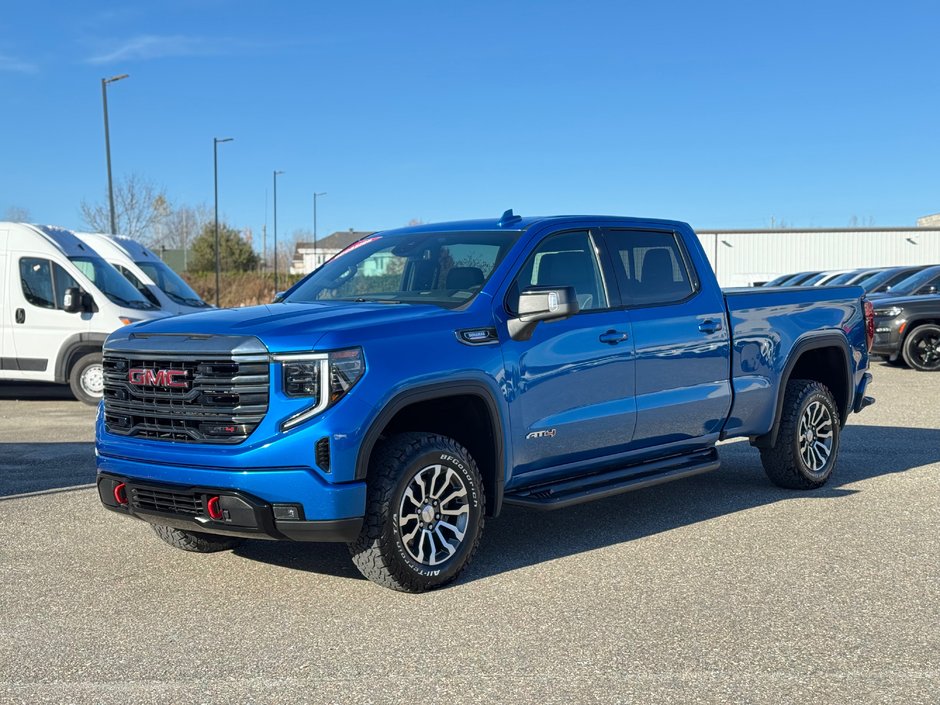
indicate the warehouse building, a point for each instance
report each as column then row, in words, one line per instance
column 746, row 257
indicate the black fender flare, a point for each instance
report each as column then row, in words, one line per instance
column 440, row 390
column 805, row 343
column 74, row 347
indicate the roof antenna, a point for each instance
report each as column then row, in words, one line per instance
column 509, row 218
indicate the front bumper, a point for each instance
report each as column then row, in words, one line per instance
column 887, row 342
column 236, row 513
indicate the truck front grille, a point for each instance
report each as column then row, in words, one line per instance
column 188, row 400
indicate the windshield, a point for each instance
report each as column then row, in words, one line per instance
column 881, row 282
column 110, row 282
column 841, row 278
column 779, row 280
column 171, row 284
column 915, row 282
column 444, row 269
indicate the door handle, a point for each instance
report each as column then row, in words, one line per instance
column 710, row 325
column 612, row 337
column 20, row 315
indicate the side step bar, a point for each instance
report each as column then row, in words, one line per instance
column 585, row 488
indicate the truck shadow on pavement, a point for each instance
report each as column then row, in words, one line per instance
column 522, row 537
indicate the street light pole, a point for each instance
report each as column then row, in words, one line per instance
column 215, row 170
column 107, row 143
column 315, row 196
column 275, row 229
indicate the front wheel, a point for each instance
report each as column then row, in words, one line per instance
column 424, row 514
column 922, row 348
column 808, row 439
column 86, row 379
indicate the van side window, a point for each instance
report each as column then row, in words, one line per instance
column 651, row 266
column 566, row 259
column 44, row 282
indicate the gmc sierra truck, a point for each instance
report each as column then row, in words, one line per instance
column 426, row 377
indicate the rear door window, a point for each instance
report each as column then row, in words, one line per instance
column 652, row 267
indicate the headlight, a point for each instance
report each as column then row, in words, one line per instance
column 323, row 377
column 890, row 312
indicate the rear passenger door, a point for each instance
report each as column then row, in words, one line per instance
column 680, row 338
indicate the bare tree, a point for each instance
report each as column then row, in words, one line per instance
column 181, row 225
column 18, row 214
column 138, row 206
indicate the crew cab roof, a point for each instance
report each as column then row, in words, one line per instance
column 526, row 222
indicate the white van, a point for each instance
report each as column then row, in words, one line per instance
column 148, row 273
column 58, row 302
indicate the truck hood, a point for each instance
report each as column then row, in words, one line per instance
column 286, row 327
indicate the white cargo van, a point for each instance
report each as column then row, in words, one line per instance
column 58, row 302
column 148, row 273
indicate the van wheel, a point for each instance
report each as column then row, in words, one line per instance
column 922, row 348
column 808, row 440
column 86, row 379
column 196, row 541
column 424, row 513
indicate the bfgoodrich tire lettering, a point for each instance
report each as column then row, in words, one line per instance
column 808, row 439
column 418, row 483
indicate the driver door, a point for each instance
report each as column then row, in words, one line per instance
column 573, row 381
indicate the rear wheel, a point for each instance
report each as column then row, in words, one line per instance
column 86, row 379
column 808, row 438
column 922, row 348
column 424, row 514
column 196, row 541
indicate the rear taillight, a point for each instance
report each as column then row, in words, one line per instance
column 869, row 323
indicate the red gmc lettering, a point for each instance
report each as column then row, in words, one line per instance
column 144, row 377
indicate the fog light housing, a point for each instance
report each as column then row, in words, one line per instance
column 288, row 512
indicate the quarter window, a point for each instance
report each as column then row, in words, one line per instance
column 566, row 259
column 651, row 265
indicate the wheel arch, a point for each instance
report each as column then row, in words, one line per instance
column 72, row 349
column 421, row 406
column 816, row 357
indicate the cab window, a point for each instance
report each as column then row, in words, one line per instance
column 651, row 266
column 44, row 282
column 565, row 259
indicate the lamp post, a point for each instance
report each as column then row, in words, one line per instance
column 315, row 197
column 215, row 168
column 107, row 143
column 275, row 228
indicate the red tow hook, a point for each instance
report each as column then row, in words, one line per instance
column 120, row 493
column 215, row 511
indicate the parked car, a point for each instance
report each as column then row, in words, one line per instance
column 799, row 278
column 159, row 284
column 425, row 377
column 907, row 329
column 823, row 278
column 58, row 302
column 852, row 277
column 778, row 281
column 926, row 281
column 883, row 282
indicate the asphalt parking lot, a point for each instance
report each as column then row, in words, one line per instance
column 718, row 588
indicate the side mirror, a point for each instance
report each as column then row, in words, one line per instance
column 72, row 300
column 279, row 297
column 542, row 303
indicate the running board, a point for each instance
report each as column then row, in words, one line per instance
column 586, row 488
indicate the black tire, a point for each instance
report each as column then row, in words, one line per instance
column 86, row 379
column 786, row 462
column 922, row 348
column 384, row 553
column 196, row 541
column 896, row 362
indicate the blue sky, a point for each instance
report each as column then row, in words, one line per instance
column 722, row 114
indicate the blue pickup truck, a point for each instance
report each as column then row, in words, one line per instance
column 426, row 377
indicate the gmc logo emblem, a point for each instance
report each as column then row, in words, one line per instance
column 145, row 377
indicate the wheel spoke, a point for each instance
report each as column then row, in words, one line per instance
column 409, row 495
column 420, row 546
column 451, row 550
column 432, row 557
column 437, row 472
column 459, row 511
column 457, row 532
column 822, row 451
column 456, row 494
